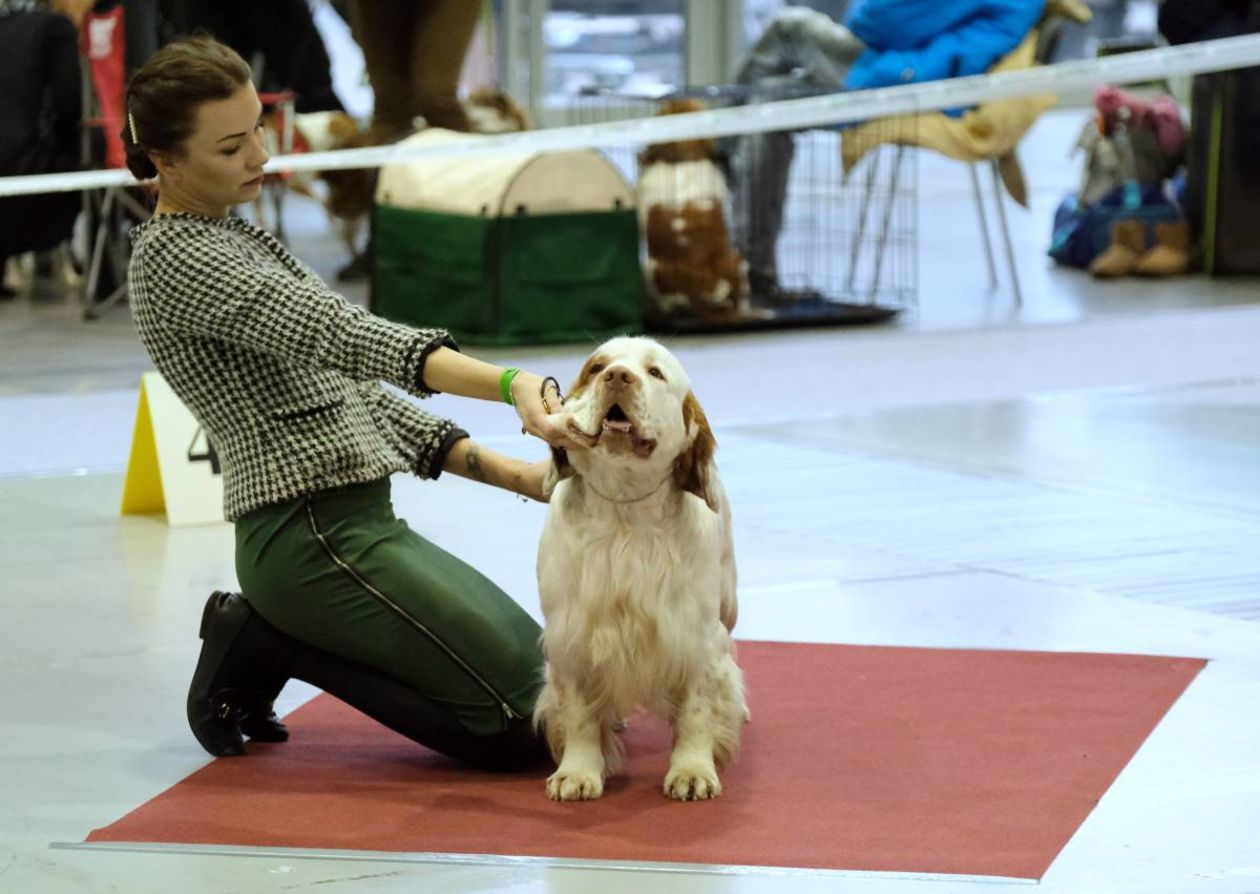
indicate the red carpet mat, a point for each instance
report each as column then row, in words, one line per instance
column 859, row 758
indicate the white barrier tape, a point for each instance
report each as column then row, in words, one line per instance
column 792, row 114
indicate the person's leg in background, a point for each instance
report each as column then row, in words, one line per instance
column 760, row 166
column 384, row 30
column 801, row 49
column 143, row 25
column 414, row 50
column 442, row 36
column 5, row 292
column 294, row 54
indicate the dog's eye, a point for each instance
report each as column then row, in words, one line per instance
column 656, row 372
column 597, row 368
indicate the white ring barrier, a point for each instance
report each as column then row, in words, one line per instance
column 793, row 114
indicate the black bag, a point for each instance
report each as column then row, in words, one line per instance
column 1223, row 177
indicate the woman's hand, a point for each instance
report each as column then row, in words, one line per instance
column 538, row 403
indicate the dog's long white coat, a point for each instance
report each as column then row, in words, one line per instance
column 637, row 579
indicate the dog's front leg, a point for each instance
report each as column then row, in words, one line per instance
column 580, row 776
column 692, row 772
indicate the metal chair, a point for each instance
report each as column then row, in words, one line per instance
column 941, row 133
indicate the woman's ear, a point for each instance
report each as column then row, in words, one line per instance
column 167, row 165
column 692, row 467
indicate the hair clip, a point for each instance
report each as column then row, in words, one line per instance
column 131, row 122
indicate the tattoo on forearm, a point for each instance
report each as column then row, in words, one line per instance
column 475, row 469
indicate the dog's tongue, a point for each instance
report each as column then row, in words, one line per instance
column 622, row 425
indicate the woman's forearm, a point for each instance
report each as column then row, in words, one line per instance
column 454, row 373
column 537, row 400
column 468, row 459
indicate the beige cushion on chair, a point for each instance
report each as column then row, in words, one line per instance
column 990, row 130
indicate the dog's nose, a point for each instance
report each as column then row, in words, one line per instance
column 620, row 377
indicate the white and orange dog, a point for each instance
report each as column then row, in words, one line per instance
column 636, row 570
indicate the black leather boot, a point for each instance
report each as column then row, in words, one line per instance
column 259, row 722
column 233, row 687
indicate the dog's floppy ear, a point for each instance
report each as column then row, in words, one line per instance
column 560, row 470
column 692, row 467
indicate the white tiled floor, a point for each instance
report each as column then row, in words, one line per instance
column 1081, row 475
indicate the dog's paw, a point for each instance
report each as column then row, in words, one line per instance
column 574, row 785
column 692, row 784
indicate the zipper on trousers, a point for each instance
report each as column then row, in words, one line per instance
column 508, row 714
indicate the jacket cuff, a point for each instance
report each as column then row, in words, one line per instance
column 438, row 459
column 419, row 355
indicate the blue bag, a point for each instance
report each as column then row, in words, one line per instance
column 1082, row 233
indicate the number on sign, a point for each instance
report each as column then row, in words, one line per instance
column 206, row 454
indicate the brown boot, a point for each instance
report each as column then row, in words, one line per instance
column 1128, row 243
column 1171, row 254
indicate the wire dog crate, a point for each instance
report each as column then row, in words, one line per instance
column 767, row 230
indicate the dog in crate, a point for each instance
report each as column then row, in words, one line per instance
column 636, row 571
column 693, row 265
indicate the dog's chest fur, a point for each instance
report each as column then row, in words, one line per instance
column 637, row 594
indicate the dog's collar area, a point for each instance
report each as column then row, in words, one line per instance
column 587, row 483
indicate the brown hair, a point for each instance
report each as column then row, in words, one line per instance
column 164, row 93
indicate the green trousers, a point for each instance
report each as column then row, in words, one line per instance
column 337, row 570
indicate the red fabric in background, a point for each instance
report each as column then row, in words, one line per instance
column 857, row 757
column 103, row 45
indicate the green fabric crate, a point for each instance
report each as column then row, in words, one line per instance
column 504, row 250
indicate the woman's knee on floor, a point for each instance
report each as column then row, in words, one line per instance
column 516, row 749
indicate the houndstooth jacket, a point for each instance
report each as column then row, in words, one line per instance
column 282, row 373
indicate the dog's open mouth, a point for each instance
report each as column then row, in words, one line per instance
column 618, row 433
column 617, row 425
column 616, row 420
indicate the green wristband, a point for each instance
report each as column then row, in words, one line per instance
column 505, row 385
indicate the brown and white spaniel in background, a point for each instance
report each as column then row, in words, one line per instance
column 347, row 197
column 490, row 110
column 636, row 570
column 693, row 265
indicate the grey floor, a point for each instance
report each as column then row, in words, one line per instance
column 1082, row 473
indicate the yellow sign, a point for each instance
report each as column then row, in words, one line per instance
column 173, row 466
